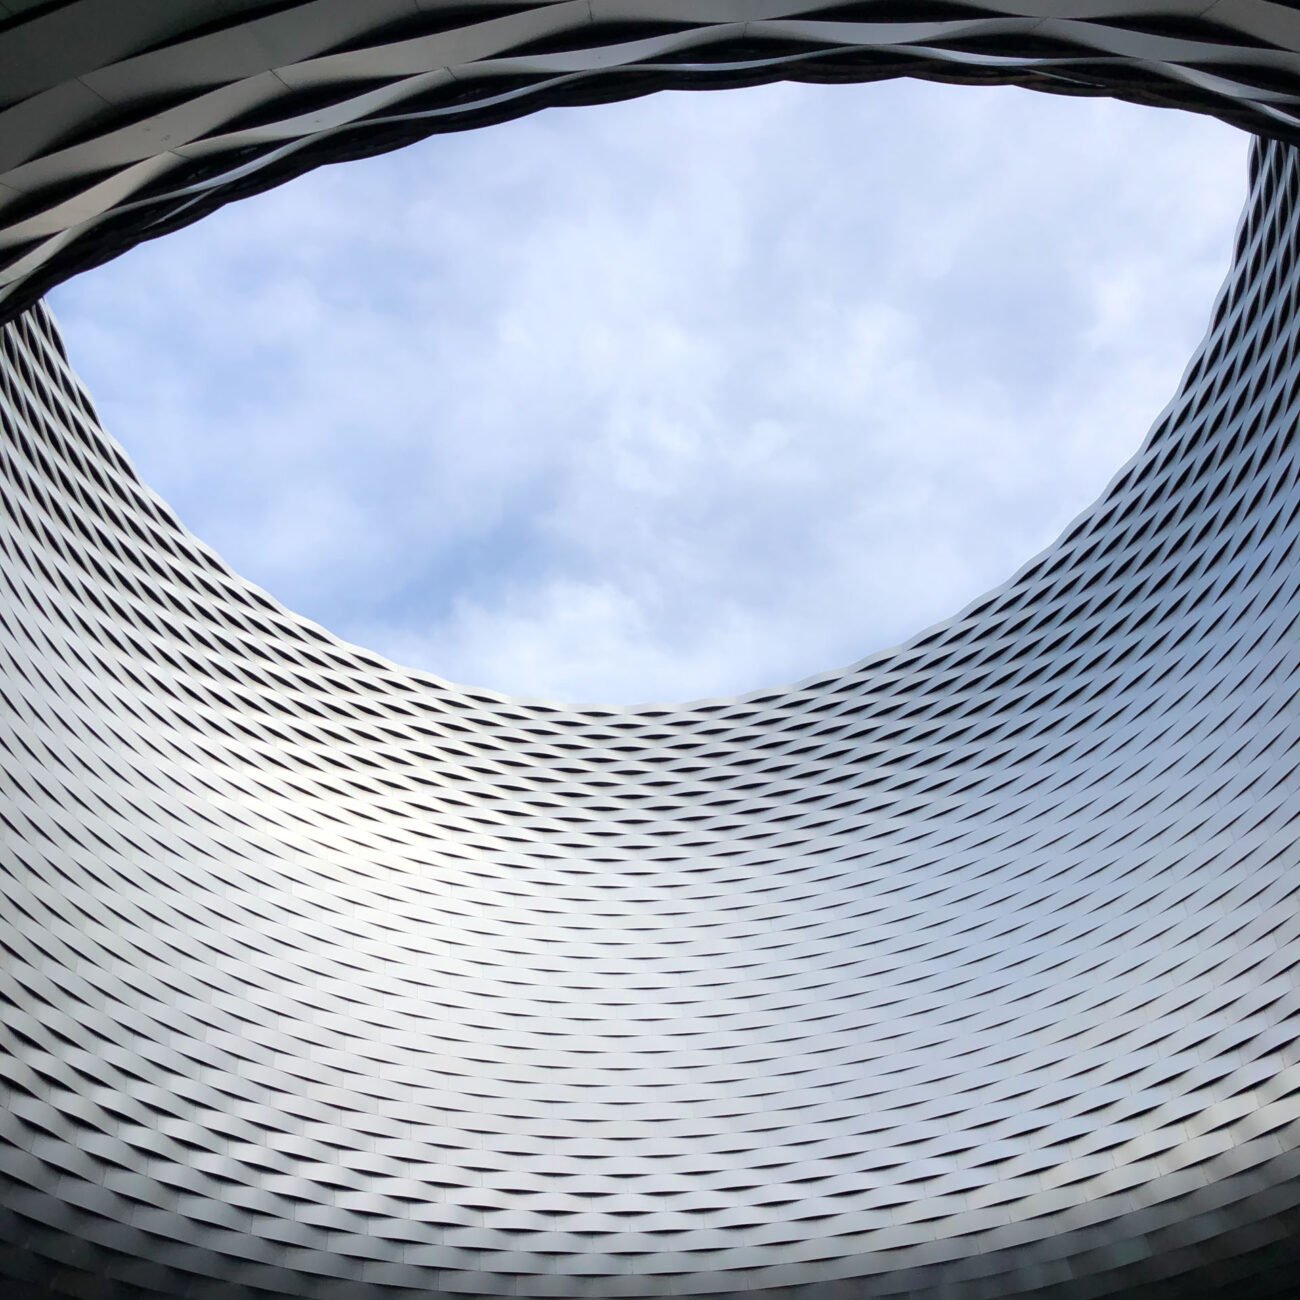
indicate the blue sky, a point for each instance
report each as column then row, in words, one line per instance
column 681, row 397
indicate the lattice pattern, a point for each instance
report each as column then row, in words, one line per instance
column 972, row 971
column 120, row 121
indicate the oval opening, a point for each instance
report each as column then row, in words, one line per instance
column 682, row 398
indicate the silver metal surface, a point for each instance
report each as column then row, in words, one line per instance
column 970, row 971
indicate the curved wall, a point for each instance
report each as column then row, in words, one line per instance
column 119, row 121
column 970, row 971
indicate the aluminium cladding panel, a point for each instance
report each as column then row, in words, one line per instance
column 119, row 122
column 969, row 971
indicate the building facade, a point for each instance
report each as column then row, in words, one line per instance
column 969, row 971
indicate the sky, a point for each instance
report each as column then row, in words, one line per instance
column 675, row 398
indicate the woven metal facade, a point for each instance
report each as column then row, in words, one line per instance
column 970, row 971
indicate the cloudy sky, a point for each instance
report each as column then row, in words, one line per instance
column 675, row 398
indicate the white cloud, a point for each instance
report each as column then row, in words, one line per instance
column 678, row 397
